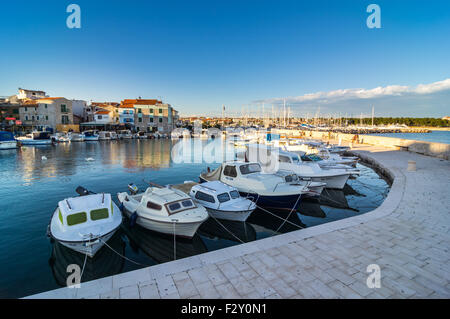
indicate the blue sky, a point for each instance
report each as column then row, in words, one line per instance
column 198, row 55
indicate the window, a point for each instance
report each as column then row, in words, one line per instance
column 15, row 111
column 250, row 168
column 97, row 214
column 99, row 117
column 26, row 117
column 46, row 117
column 60, row 217
column 139, row 110
column 45, row 105
column 77, row 218
column 160, row 111
column 160, row 120
column 174, row 206
column 63, row 108
column 234, row 194
column 37, row 117
column 140, row 120
column 154, row 206
column 32, row 117
column 187, row 203
column 26, row 109
column 222, row 198
column 205, row 197
column 151, row 111
column 284, row 159
column 64, row 119
column 151, row 120
column 230, row 171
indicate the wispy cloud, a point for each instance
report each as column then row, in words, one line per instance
column 396, row 99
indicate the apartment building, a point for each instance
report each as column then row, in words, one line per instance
column 150, row 115
column 53, row 112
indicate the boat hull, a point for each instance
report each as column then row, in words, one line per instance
column 84, row 247
column 335, row 182
column 186, row 230
column 35, row 142
column 7, row 145
column 240, row 216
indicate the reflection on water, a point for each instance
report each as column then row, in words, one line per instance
column 32, row 185
column 105, row 262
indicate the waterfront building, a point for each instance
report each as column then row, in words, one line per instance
column 149, row 115
column 30, row 94
column 51, row 112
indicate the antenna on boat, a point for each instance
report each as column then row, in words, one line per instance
column 103, row 198
column 67, row 201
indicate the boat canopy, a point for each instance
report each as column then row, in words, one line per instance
column 6, row 136
column 77, row 210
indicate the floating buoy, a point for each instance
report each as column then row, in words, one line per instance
column 90, row 159
column 44, row 158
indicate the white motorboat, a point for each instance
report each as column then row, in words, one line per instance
column 113, row 135
column 91, row 136
column 124, row 134
column 76, row 137
column 334, row 178
column 104, row 136
column 164, row 210
column 60, row 137
column 222, row 201
column 7, row 141
column 86, row 222
column 35, row 138
column 266, row 190
column 141, row 135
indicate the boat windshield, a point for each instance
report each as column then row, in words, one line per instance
column 234, row 194
column 178, row 206
column 295, row 159
column 250, row 168
column 222, row 198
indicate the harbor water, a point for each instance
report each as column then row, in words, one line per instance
column 34, row 179
column 433, row 136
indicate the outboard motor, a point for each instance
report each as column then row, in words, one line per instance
column 82, row 191
column 133, row 189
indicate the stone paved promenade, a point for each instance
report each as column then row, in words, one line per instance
column 407, row 236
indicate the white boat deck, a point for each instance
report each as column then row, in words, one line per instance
column 407, row 236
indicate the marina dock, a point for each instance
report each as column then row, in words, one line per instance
column 408, row 237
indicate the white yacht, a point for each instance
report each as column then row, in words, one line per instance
column 76, row 137
column 266, row 190
column 164, row 210
column 104, row 136
column 334, row 178
column 35, row 138
column 86, row 222
column 124, row 134
column 91, row 136
column 7, row 140
column 114, row 135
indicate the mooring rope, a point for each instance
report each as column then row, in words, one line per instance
column 293, row 208
column 227, row 229
column 124, row 257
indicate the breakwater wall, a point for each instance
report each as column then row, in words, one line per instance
column 439, row 150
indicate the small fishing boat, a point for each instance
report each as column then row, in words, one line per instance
column 141, row 135
column 90, row 136
column 35, row 138
column 7, row 141
column 104, row 136
column 86, row 222
column 124, row 134
column 76, row 137
column 220, row 200
column 278, row 191
column 164, row 210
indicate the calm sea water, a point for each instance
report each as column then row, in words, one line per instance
column 433, row 136
column 30, row 188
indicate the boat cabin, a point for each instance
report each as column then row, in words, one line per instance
column 82, row 211
column 214, row 192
